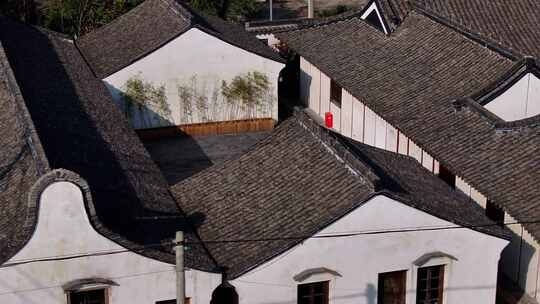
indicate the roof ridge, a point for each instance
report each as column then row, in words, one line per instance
column 337, row 147
column 466, row 32
column 311, row 23
column 174, row 8
column 179, row 9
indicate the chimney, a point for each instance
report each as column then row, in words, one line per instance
column 310, row 9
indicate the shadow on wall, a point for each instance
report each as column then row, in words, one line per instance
column 306, row 85
column 195, row 99
column 289, row 88
column 140, row 113
column 515, row 259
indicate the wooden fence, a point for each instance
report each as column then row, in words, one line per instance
column 209, row 128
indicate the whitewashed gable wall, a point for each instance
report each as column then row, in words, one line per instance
column 369, row 128
column 521, row 100
column 201, row 61
column 63, row 229
column 358, row 260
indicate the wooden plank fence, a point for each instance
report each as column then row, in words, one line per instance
column 209, row 128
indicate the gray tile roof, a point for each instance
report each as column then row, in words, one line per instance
column 301, row 179
column 20, row 165
column 151, row 25
column 412, row 77
column 511, row 24
column 76, row 128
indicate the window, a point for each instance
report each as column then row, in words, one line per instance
column 313, row 293
column 447, row 176
column 335, row 93
column 96, row 296
column 494, row 213
column 391, row 287
column 429, row 288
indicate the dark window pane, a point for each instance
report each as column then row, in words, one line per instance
column 88, row 297
column 335, row 93
column 304, row 300
column 429, row 285
column 447, row 176
column 391, row 289
column 319, row 299
column 313, row 293
column 495, row 213
column 318, row 288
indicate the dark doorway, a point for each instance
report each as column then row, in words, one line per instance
column 224, row 294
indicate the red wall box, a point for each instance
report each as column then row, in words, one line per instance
column 329, row 119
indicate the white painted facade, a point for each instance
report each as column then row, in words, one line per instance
column 521, row 100
column 192, row 68
column 357, row 121
column 470, row 279
column 64, row 230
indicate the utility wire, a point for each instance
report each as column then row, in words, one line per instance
column 80, row 255
column 320, row 236
column 113, row 278
column 365, row 232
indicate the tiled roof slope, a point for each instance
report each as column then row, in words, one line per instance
column 299, row 180
column 512, row 24
column 411, row 78
column 20, row 166
column 149, row 26
column 394, row 11
column 81, row 131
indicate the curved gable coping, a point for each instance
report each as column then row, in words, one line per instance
column 304, row 275
column 497, row 123
column 63, row 175
column 82, row 283
column 498, row 87
column 433, row 255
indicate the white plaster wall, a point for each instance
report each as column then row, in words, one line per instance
column 364, row 130
column 346, row 112
column 391, row 138
column 358, row 120
column 305, row 83
column 210, row 60
column 63, row 229
column 469, row 280
column 315, row 89
column 380, row 132
column 520, row 101
column 370, row 121
column 520, row 260
column 427, row 161
column 325, row 96
column 403, row 147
